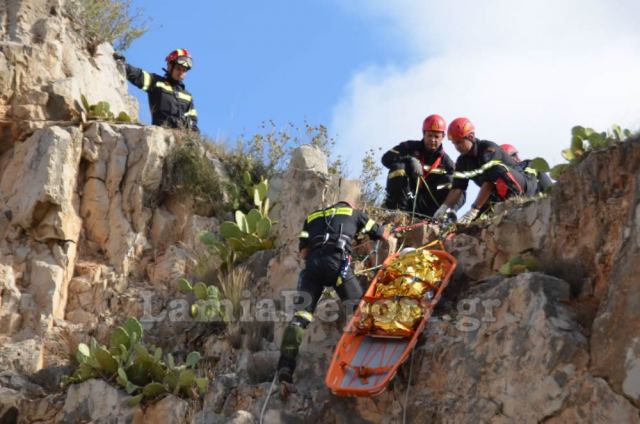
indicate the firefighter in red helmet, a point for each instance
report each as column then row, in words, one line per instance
column 422, row 164
column 544, row 182
column 511, row 151
column 170, row 103
column 325, row 244
column 490, row 167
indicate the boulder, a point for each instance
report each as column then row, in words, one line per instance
column 25, row 356
column 169, row 267
column 168, row 410
column 96, row 401
column 242, row 417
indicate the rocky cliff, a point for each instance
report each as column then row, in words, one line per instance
column 89, row 237
column 45, row 68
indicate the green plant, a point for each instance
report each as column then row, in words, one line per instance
column 101, row 111
column 242, row 169
column 207, row 305
column 209, row 299
column 371, row 171
column 138, row 368
column 110, row 21
column 584, row 140
column 319, row 137
column 233, row 285
column 273, row 147
column 539, row 164
column 265, row 154
column 246, row 235
column 518, row 264
column 189, row 170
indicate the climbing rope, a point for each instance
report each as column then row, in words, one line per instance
column 406, row 394
column 373, row 251
column 411, row 227
column 266, row 402
column 415, row 199
column 429, row 191
column 364, row 271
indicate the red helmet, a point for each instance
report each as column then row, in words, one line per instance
column 459, row 128
column 181, row 57
column 434, row 123
column 511, row 150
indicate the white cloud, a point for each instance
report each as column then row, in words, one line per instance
column 524, row 72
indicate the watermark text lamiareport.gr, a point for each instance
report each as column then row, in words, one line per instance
column 471, row 312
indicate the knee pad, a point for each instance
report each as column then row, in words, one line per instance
column 291, row 340
column 302, row 319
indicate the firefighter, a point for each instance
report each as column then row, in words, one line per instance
column 170, row 103
column 490, row 167
column 414, row 162
column 325, row 245
column 544, row 182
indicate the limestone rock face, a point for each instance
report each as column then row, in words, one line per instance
column 88, row 237
column 77, row 207
column 121, row 187
column 169, row 410
column 585, row 232
column 45, row 67
column 40, row 200
column 10, row 317
column 514, row 341
column 39, row 185
column 24, row 356
column 96, row 401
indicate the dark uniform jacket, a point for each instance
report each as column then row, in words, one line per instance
column 544, row 182
column 486, row 161
column 438, row 176
column 437, row 171
column 325, row 227
column 170, row 103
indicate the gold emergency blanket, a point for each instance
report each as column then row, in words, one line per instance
column 411, row 274
column 393, row 317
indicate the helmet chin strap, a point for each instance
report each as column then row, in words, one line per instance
column 169, row 71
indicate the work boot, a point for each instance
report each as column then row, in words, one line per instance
column 285, row 377
column 285, row 374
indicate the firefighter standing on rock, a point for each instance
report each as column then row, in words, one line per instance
column 170, row 103
column 423, row 164
column 325, row 245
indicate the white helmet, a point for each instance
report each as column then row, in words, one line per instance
column 407, row 250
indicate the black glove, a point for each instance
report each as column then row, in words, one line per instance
column 413, row 166
column 119, row 57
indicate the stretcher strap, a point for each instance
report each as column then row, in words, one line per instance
column 364, row 372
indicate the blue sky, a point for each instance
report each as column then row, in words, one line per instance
column 283, row 60
column 524, row 72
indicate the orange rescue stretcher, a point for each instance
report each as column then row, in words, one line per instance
column 390, row 317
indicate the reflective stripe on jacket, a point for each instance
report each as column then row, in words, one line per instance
column 170, row 103
column 486, row 161
column 337, row 221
